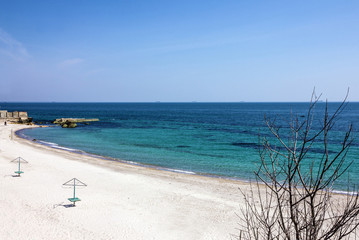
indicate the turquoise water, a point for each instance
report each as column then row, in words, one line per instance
column 218, row 139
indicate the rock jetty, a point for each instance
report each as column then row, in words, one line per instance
column 72, row 122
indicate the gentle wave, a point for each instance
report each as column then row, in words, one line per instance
column 180, row 171
column 351, row 193
column 54, row 145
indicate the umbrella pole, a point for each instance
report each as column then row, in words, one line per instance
column 74, row 192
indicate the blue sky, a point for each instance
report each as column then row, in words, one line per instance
column 178, row 51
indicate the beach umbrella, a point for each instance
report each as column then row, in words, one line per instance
column 73, row 183
column 19, row 160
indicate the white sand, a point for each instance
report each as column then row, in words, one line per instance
column 121, row 201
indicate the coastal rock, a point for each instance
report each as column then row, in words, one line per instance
column 72, row 122
column 72, row 125
column 68, row 125
column 75, row 120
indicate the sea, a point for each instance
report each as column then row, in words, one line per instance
column 213, row 139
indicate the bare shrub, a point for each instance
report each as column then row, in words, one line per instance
column 292, row 197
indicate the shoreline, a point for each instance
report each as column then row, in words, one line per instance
column 106, row 158
column 79, row 152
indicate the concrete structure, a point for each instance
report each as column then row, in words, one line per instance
column 3, row 113
column 18, row 117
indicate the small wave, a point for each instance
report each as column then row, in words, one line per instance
column 180, row 171
column 67, row 149
column 55, row 145
column 46, row 143
column 50, row 144
column 344, row 192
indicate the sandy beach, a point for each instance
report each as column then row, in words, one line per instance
column 121, row 201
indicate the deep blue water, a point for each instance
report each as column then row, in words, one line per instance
column 207, row 138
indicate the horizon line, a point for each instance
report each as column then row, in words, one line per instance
column 320, row 101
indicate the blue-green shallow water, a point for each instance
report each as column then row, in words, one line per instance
column 207, row 138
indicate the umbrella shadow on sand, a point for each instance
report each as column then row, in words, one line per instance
column 70, row 205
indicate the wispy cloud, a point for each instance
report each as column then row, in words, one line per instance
column 11, row 47
column 70, row 62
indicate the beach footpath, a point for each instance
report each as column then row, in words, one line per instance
column 120, row 201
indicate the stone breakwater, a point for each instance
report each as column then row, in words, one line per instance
column 72, row 122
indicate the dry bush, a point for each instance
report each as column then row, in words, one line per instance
column 292, row 197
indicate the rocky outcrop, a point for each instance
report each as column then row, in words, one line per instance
column 72, row 122
column 72, row 125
